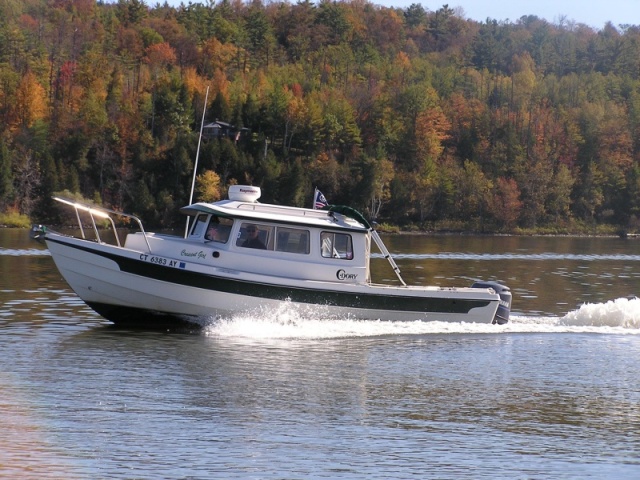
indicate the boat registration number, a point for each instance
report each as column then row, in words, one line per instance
column 166, row 262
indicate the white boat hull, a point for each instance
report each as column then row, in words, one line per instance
column 119, row 285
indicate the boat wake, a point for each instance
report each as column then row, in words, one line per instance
column 621, row 313
column 23, row 252
column 620, row 316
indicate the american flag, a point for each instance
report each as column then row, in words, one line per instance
column 319, row 202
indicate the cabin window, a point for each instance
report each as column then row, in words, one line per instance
column 218, row 229
column 336, row 245
column 199, row 225
column 255, row 235
column 292, row 240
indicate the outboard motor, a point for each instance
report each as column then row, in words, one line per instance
column 504, row 307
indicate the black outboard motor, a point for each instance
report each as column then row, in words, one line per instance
column 504, row 307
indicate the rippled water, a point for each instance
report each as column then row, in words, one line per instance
column 553, row 394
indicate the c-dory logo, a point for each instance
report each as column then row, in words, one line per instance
column 342, row 275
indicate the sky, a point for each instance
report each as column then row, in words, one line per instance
column 594, row 13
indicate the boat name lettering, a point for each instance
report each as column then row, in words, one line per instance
column 161, row 261
column 342, row 275
column 198, row 254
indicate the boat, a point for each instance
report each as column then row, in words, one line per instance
column 238, row 255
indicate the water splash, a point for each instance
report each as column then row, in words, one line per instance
column 622, row 312
column 620, row 316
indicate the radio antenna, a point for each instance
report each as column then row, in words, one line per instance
column 195, row 167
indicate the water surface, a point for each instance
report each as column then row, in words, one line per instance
column 285, row 394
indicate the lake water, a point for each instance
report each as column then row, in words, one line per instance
column 555, row 394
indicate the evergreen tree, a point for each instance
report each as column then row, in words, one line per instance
column 6, row 177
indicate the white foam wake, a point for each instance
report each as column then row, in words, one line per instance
column 621, row 316
column 622, row 312
column 13, row 252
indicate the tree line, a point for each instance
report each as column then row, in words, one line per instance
column 415, row 117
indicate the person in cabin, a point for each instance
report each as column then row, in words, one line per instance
column 212, row 231
column 216, row 231
column 253, row 241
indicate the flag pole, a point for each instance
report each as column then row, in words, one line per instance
column 195, row 167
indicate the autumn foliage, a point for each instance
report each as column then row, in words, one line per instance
column 413, row 116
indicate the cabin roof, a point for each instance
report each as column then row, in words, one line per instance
column 276, row 214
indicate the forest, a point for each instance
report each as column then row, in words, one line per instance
column 420, row 119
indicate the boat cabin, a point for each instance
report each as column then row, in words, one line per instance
column 287, row 241
column 264, row 236
column 244, row 236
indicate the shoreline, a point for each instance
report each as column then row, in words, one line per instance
column 443, row 233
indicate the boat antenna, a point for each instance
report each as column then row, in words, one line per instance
column 195, row 167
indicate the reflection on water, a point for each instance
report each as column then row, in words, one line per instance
column 103, row 402
column 288, row 394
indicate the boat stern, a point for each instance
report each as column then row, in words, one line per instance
column 504, row 306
